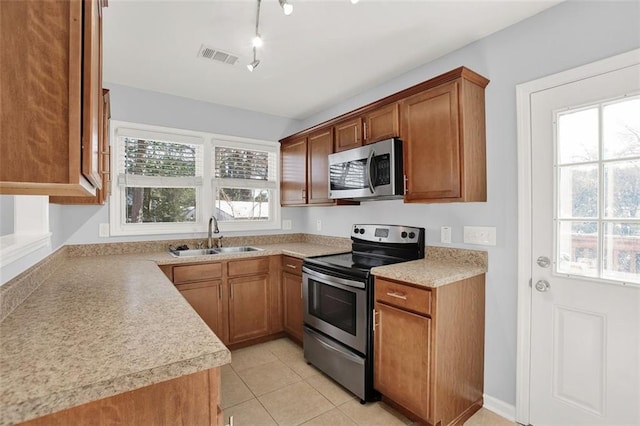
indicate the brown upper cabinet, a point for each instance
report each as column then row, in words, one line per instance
column 348, row 134
column 444, row 143
column 50, row 138
column 104, row 167
column 442, row 124
column 382, row 123
column 305, row 169
column 293, row 185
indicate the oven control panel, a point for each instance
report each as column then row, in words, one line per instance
column 388, row 233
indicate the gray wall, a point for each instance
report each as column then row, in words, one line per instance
column 566, row 36
column 6, row 214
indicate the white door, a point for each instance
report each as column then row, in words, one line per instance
column 585, row 300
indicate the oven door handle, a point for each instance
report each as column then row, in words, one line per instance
column 324, row 342
column 331, row 280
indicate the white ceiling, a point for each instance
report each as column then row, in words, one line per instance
column 323, row 53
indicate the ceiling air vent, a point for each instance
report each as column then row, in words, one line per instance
column 217, row 55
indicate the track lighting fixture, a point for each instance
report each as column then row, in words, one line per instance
column 287, row 7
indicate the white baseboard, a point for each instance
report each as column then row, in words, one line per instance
column 499, row 407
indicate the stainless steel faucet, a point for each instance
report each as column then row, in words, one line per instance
column 212, row 221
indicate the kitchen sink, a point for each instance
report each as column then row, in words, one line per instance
column 211, row 251
column 240, row 249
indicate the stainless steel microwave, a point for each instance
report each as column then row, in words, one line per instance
column 369, row 172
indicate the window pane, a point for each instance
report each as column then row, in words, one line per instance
column 578, row 248
column 578, row 136
column 621, row 129
column 153, row 205
column 621, row 251
column 622, row 189
column 242, row 204
column 578, row 191
column 154, row 158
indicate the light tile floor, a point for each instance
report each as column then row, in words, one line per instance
column 271, row 384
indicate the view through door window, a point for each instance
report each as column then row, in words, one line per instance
column 598, row 190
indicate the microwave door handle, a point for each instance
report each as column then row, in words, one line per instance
column 369, row 177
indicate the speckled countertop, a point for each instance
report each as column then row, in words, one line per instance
column 103, row 325
column 441, row 266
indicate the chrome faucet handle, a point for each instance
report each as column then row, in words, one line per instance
column 219, row 241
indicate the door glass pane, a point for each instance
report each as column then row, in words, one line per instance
column 333, row 305
column 578, row 248
column 578, row 136
column 621, row 251
column 622, row 189
column 621, row 129
column 578, row 191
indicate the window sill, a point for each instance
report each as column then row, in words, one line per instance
column 16, row 246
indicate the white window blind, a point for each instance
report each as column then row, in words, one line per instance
column 151, row 161
column 243, row 165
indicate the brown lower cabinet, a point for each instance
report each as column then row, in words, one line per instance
column 240, row 300
column 429, row 349
column 292, row 297
column 188, row 400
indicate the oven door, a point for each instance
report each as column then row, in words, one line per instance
column 336, row 307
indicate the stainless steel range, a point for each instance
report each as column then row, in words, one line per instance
column 338, row 302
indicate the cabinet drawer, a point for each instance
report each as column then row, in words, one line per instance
column 202, row 272
column 403, row 296
column 293, row 265
column 255, row 266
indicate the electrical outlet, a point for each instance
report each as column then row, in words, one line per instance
column 286, row 224
column 103, row 231
column 483, row 235
column 445, row 234
column 318, row 225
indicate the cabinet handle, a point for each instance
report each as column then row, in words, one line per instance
column 374, row 320
column 397, row 295
column 304, row 194
column 364, row 125
column 406, row 184
column 291, row 266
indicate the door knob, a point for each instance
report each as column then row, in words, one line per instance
column 543, row 285
column 543, row 261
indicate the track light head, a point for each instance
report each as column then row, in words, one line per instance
column 253, row 65
column 286, row 7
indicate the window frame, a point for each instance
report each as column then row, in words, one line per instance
column 205, row 192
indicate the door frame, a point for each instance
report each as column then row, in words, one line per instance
column 524, row 147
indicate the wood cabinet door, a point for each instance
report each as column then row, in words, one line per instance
column 248, row 308
column 432, row 153
column 348, row 134
column 206, row 299
column 320, row 145
column 293, row 186
column 383, row 123
column 401, row 358
column 92, row 92
column 292, row 295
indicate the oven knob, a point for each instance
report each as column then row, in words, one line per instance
column 403, row 234
column 356, row 230
column 362, row 230
column 412, row 235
